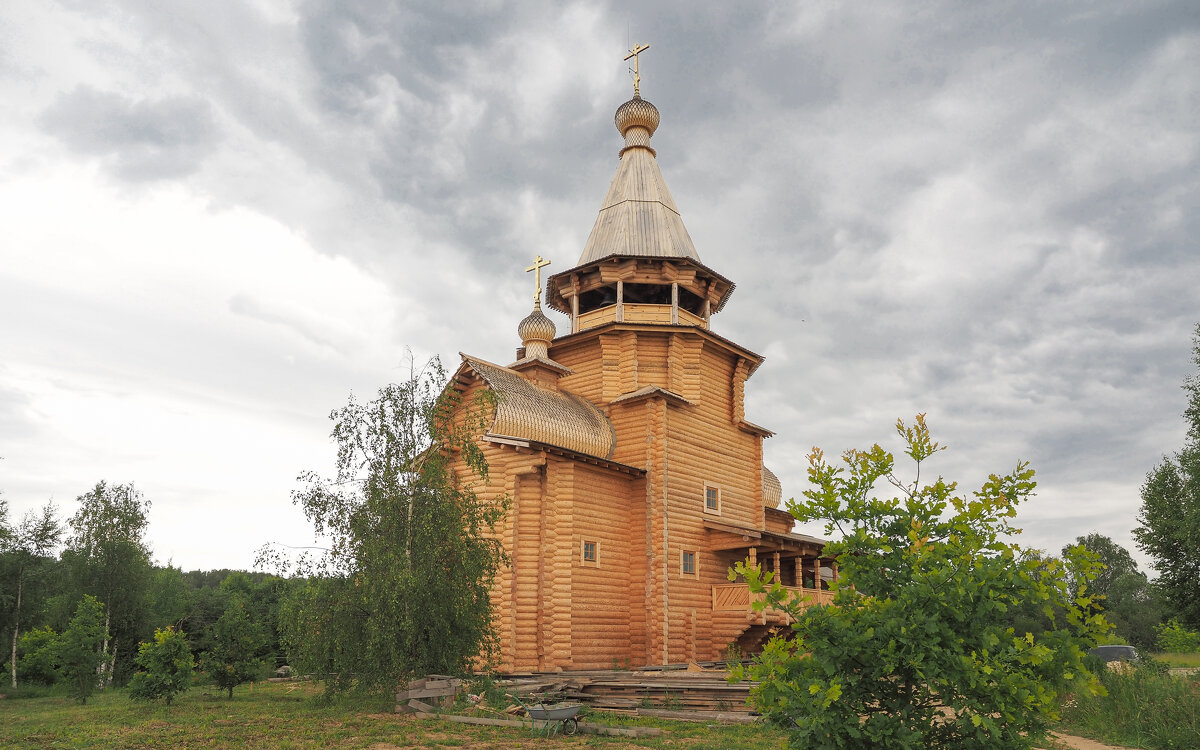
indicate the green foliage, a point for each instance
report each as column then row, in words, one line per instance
column 915, row 652
column 403, row 589
column 1142, row 707
column 236, row 640
column 1169, row 520
column 78, row 653
column 25, row 563
column 1129, row 601
column 1115, row 561
column 109, row 559
column 37, row 656
column 1175, row 637
column 166, row 667
column 733, row 654
column 168, row 597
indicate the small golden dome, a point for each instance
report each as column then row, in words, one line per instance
column 772, row 490
column 637, row 112
column 536, row 331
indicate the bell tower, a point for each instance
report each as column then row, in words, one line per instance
column 639, row 264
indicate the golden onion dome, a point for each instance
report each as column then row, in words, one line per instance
column 536, row 331
column 637, row 112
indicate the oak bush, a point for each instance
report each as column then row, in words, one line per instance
column 916, row 650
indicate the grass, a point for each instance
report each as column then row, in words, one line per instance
column 1178, row 659
column 1144, row 708
column 286, row 715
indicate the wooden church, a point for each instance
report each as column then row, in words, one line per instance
column 636, row 480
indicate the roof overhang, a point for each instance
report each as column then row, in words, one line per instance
column 652, row 391
column 730, row 537
column 561, row 286
column 555, row 450
column 737, row 349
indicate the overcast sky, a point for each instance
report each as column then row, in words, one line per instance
column 218, row 219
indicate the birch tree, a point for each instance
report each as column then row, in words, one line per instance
column 403, row 588
column 26, row 552
column 109, row 559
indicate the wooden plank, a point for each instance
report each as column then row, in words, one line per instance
column 730, row 716
column 583, row 728
column 430, row 693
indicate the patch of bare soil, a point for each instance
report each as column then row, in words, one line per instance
column 1082, row 743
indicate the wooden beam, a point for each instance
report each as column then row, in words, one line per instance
column 731, row 529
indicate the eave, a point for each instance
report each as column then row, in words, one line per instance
column 734, row 348
column 555, row 450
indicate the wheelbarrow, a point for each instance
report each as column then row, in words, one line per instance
column 556, row 716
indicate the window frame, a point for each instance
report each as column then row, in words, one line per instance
column 717, row 489
column 583, row 550
column 683, row 561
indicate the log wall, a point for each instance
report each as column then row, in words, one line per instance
column 605, row 592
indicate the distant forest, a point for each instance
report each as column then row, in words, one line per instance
column 104, row 555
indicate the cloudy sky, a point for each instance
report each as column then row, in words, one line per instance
column 219, row 219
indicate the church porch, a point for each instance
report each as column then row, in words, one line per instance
column 795, row 561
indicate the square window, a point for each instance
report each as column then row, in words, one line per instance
column 590, row 552
column 712, row 499
column 689, row 563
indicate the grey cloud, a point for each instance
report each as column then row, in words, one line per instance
column 244, row 304
column 146, row 139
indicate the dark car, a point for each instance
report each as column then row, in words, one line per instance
column 1116, row 653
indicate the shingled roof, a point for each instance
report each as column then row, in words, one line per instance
column 638, row 216
column 554, row 417
column 772, row 490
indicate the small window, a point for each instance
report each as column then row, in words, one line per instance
column 591, row 552
column 688, row 563
column 712, row 499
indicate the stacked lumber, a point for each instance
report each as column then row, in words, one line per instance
column 416, row 697
column 704, row 690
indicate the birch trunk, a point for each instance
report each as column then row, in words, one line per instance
column 103, row 649
column 17, row 624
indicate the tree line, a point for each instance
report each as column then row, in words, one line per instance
column 80, row 599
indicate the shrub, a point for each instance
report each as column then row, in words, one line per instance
column 78, row 649
column 916, row 651
column 235, row 639
column 37, row 658
column 166, row 667
column 1176, row 638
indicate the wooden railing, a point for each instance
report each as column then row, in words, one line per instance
column 736, row 597
column 638, row 313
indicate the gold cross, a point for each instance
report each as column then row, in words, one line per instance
column 538, row 265
column 637, row 77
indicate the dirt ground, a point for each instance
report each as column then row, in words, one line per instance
column 1082, row 743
